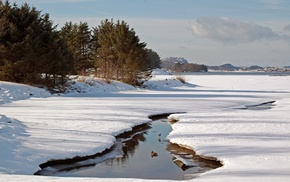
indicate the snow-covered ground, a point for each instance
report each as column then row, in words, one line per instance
column 253, row 144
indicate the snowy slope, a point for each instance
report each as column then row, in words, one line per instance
column 13, row 92
column 90, row 85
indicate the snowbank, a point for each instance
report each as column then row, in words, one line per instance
column 13, row 92
column 92, row 86
column 162, row 80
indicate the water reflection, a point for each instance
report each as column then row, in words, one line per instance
column 128, row 148
column 135, row 161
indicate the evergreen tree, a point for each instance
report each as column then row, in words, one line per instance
column 33, row 51
column 84, row 47
column 118, row 52
column 18, row 29
column 104, row 54
column 28, row 45
column 57, row 59
column 69, row 33
column 78, row 38
column 154, row 58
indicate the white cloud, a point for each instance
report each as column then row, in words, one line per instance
column 231, row 31
column 287, row 28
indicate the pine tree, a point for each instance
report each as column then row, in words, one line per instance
column 18, row 43
column 57, row 59
column 78, row 37
column 84, row 48
column 104, row 53
column 154, row 58
column 69, row 33
column 30, row 47
column 118, row 52
column 33, row 51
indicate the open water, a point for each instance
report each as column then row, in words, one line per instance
column 137, row 162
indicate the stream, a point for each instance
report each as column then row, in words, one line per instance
column 132, row 158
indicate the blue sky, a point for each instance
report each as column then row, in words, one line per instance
column 211, row 32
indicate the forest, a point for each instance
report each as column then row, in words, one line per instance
column 35, row 51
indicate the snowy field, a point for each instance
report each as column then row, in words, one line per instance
column 252, row 142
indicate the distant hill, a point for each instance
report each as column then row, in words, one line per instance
column 180, row 64
column 224, row 67
column 169, row 63
column 255, row 67
column 229, row 67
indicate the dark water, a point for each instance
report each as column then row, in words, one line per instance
column 137, row 162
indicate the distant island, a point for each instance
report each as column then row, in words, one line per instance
column 180, row 64
column 254, row 68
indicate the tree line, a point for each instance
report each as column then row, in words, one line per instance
column 33, row 51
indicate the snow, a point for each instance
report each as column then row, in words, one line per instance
column 94, row 86
column 13, row 92
column 253, row 144
column 163, row 81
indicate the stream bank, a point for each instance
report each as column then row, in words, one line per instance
column 131, row 157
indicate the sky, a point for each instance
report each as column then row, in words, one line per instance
column 210, row 32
